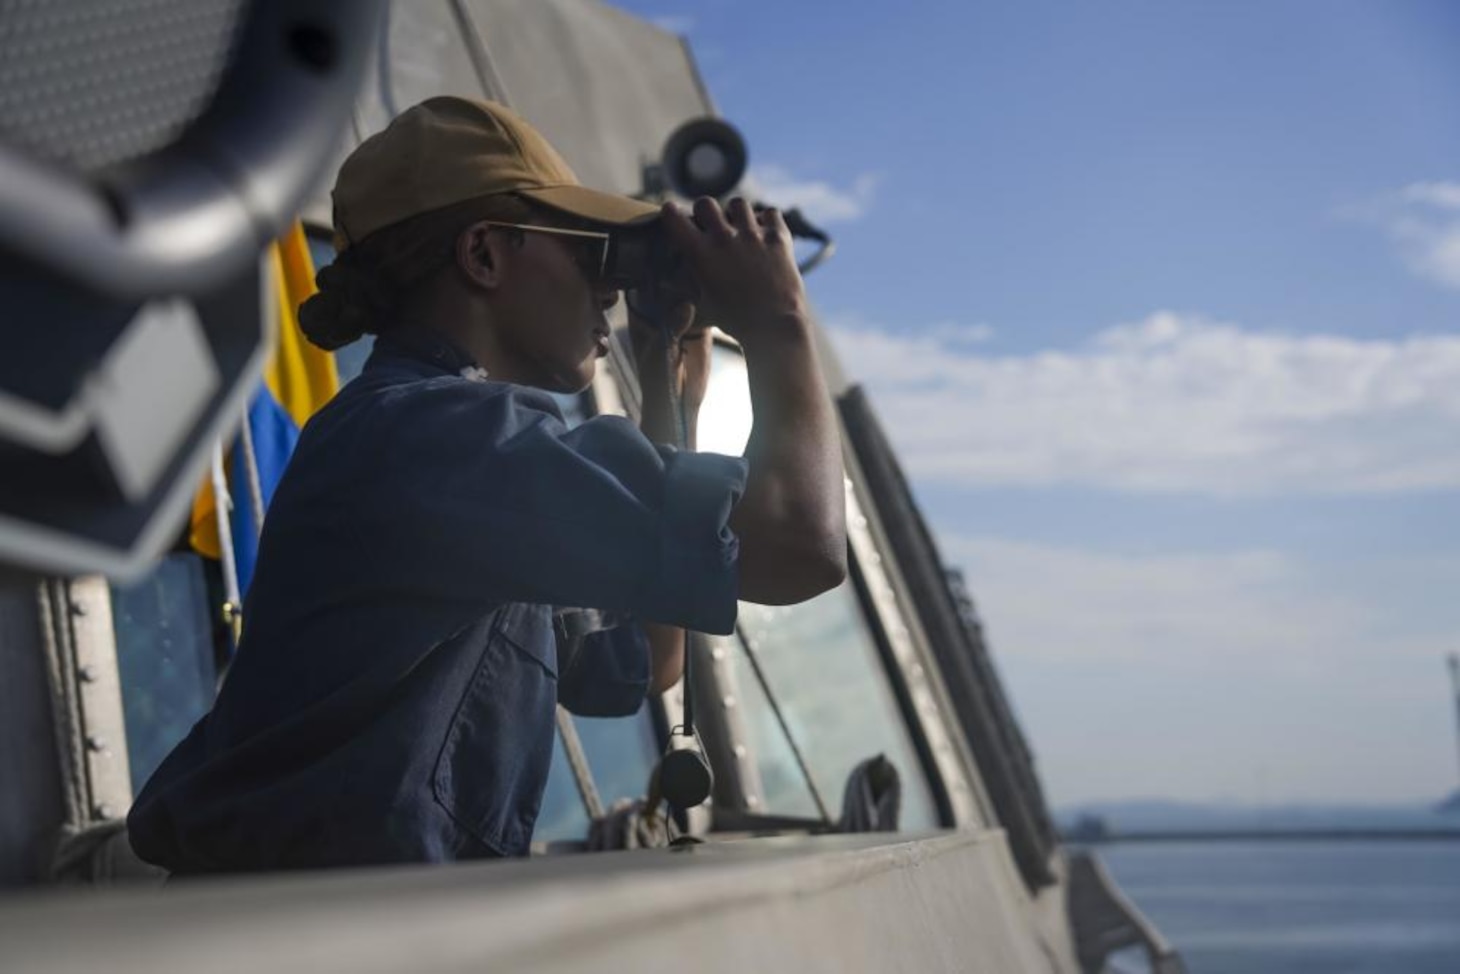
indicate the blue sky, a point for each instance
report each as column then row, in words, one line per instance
column 1159, row 302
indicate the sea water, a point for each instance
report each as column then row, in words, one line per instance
column 1384, row 907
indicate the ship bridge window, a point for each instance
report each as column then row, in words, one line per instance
column 562, row 816
column 820, row 662
column 166, row 656
column 725, row 417
column 621, row 753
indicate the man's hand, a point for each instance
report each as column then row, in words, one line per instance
column 743, row 266
column 690, row 366
column 791, row 521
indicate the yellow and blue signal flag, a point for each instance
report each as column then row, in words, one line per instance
column 298, row 379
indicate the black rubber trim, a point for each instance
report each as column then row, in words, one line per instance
column 1004, row 760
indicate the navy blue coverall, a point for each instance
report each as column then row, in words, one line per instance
column 393, row 696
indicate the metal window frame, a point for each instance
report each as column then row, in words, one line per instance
column 927, row 701
column 920, row 696
column 80, row 647
column 908, row 674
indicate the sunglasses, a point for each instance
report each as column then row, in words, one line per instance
column 623, row 261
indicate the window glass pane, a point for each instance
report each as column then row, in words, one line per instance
column 725, row 416
column 621, row 752
column 823, row 667
column 164, row 630
column 562, row 815
column 782, row 786
column 820, row 659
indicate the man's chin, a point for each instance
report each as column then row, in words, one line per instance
column 571, row 383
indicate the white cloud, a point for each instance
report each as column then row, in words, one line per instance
column 1062, row 603
column 956, row 333
column 1247, row 675
column 1173, row 403
column 821, row 201
column 1423, row 220
column 1443, row 195
column 680, row 24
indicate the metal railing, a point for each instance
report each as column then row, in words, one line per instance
column 1105, row 920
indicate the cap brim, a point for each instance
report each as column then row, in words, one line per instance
column 591, row 204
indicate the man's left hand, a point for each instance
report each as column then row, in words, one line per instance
column 690, row 365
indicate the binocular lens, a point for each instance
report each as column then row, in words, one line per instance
column 644, row 259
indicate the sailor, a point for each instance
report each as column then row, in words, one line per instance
column 393, row 695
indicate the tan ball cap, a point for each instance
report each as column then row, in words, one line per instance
column 448, row 150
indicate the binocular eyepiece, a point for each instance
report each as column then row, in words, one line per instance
column 642, row 258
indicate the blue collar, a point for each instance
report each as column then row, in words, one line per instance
column 422, row 345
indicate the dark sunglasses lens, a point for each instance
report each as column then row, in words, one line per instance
column 638, row 258
column 624, row 262
column 591, row 256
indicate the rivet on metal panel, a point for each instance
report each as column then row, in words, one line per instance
column 104, row 811
column 96, row 742
column 727, row 701
column 740, row 751
column 87, row 674
column 752, row 801
column 77, row 609
column 718, row 654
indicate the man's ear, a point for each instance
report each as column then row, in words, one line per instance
column 479, row 254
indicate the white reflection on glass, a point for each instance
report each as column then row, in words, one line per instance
column 819, row 658
column 725, row 417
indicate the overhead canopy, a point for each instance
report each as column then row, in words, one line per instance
column 606, row 88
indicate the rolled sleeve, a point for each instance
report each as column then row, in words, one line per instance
column 697, row 581
column 484, row 495
column 607, row 674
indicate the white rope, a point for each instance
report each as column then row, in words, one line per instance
column 222, row 506
column 251, row 469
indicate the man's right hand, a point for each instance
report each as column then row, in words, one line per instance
column 791, row 520
column 743, row 264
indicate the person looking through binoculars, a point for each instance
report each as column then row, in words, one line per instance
column 392, row 699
